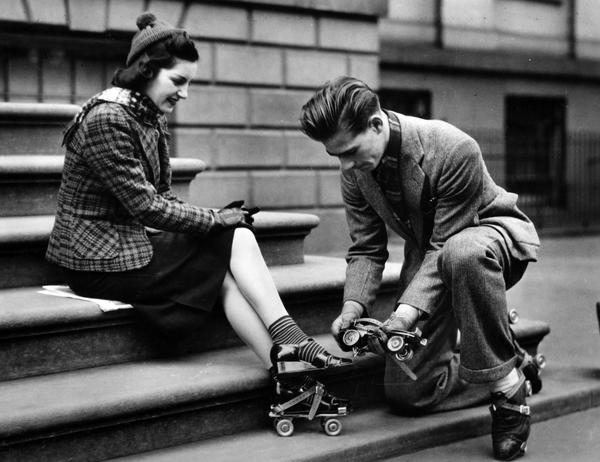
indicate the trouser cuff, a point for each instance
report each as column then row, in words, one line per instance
column 487, row 375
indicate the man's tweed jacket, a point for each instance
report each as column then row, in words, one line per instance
column 116, row 181
column 446, row 188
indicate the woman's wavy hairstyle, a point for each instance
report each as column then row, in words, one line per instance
column 342, row 103
column 161, row 55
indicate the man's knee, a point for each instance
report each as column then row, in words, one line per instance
column 461, row 254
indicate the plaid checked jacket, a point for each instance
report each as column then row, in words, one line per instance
column 115, row 182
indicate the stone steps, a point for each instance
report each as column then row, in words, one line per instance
column 128, row 408
column 33, row 128
column 42, row 334
column 29, row 183
column 97, row 413
column 374, row 433
column 23, row 242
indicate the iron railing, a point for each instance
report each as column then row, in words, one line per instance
column 558, row 183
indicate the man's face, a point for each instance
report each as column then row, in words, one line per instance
column 363, row 151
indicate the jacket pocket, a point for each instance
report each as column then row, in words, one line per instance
column 95, row 240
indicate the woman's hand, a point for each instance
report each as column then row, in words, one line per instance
column 236, row 214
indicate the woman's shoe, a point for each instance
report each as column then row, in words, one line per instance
column 510, row 424
column 285, row 358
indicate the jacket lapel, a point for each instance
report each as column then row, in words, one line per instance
column 374, row 196
column 150, row 138
column 413, row 177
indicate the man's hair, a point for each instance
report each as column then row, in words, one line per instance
column 160, row 55
column 342, row 103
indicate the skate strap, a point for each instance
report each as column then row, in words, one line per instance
column 298, row 399
column 521, row 409
column 405, row 368
column 316, row 401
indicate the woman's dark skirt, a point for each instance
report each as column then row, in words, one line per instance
column 177, row 290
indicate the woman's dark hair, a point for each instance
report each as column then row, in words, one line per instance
column 161, row 55
column 345, row 102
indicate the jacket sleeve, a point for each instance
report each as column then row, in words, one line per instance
column 458, row 195
column 113, row 154
column 368, row 253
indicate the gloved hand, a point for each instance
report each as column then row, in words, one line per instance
column 351, row 311
column 236, row 214
column 404, row 318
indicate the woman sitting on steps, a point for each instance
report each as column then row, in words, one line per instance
column 121, row 233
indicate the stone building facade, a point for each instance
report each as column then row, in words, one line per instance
column 503, row 70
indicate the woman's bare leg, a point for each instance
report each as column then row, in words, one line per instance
column 245, row 322
column 255, row 284
column 253, row 278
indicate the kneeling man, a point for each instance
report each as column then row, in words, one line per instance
column 466, row 243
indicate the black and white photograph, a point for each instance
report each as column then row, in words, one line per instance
column 299, row 230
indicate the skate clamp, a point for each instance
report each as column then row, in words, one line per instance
column 283, row 413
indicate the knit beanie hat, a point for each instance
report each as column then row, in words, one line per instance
column 151, row 30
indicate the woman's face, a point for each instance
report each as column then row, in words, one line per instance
column 171, row 85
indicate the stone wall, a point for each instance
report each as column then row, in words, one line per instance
column 259, row 62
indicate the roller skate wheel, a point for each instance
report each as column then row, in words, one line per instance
column 284, row 427
column 395, row 343
column 332, row 427
column 524, row 447
column 513, row 316
column 351, row 337
column 540, row 361
column 405, row 355
column 528, row 388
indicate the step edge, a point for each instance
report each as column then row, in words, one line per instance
column 386, row 441
column 198, row 394
column 37, row 228
column 71, row 313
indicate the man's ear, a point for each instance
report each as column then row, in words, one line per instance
column 376, row 122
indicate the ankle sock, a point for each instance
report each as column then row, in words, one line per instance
column 286, row 331
column 508, row 385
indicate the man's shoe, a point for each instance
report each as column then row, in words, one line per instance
column 530, row 366
column 510, row 423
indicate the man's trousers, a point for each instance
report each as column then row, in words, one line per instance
column 470, row 343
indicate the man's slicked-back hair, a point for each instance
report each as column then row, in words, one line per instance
column 342, row 103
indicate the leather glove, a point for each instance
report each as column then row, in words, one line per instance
column 351, row 311
column 236, row 214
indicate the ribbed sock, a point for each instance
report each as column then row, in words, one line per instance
column 507, row 385
column 286, row 331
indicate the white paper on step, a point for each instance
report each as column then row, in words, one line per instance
column 66, row 292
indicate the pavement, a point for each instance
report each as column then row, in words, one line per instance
column 574, row 437
column 562, row 288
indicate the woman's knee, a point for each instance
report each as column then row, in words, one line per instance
column 244, row 240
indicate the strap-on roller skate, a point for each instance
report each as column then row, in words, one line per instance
column 309, row 400
column 531, row 366
column 366, row 334
column 285, row 359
